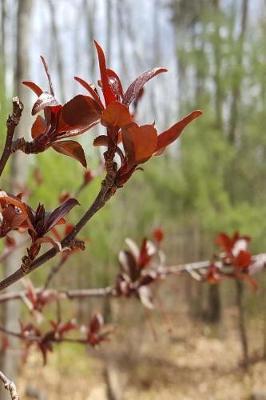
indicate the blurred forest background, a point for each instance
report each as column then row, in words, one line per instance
column 213, row 180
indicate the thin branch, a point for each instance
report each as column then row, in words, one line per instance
column 108, row 188
column 62, row 294
column 10, row 386
column 11, row 123
column 39, row 339
column 199, row 267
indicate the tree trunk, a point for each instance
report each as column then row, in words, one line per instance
column 57, row 49
column 2, row 45
column 242, row 322
column 236, row 91
column 9, row 362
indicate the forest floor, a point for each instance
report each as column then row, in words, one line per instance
column 171, row 357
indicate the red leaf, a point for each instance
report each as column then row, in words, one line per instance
column 169, row 136
column 243, row 259
column 158, row 234
column 39, row 127
column 115, row 83
column 116, row 115
column 79, row 113
column 72, row 149
column 55, row 216
column 96, row 323
column 224, row 242
column 14, row 212
column 139, row 142
column 35, row 88
column 144, row 256
column 136, row 86
column 44, row 100
column 91, row 90
column 101, row 140
column 109, row 96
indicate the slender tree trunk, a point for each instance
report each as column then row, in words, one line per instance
column 57, row 48
column 236, row 91
column 121, row 32
column 109, row 31
column 17, row 180
column 2, row 45
column 242, row 322
column 90, row 11
column 217, row 66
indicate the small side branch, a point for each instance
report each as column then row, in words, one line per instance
column 12, row 122
column 10, row 386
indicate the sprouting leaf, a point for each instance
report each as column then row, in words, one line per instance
column 55, row 216
column 139, row 142
column 35, row 88
column 72, row 149
column 79, row 113
column 39, row 127
column 101, row 140
column 136, row 86
column 169, row 136
column 44, row 100
column 116, row 115
column 96, row 323
column 115, row 83
column 90, row 89
column 109, row 96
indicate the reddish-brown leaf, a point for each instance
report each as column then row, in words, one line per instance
column 139, row 142
column 136, row 86
column 169, row 136
column 91, row 90
column 44, row 100
column 101, row 140
column 109, row 96
column 243, row 259
column 55, row 216
column 39, row 127
column 116, row 115
column 224, row 242
column 158, row 234
column 115, row 83
column 35, row 88
column 72, row 149
column 96, row 323
column 80, row 113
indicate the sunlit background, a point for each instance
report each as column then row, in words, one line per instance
column 212, row 180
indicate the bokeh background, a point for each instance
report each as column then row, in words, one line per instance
column 212, row 180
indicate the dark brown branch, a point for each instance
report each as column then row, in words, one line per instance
column 10, row 386
column 11, row 123
column 108, row 188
